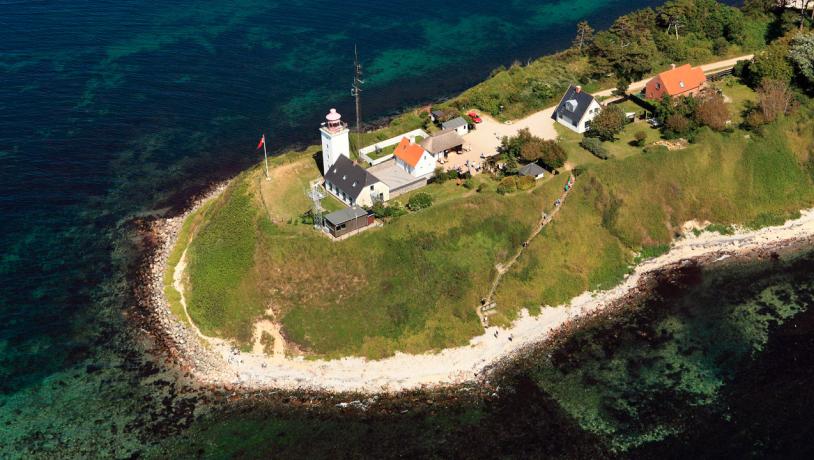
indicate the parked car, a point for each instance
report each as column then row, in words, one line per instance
column 474, row 116
column 654, row 122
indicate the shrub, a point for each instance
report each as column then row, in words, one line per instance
column 677, row 125
column 639, row 138
column 507, row 185
column 525, row 183
column 419, row 201
column 469, row 183
column 482, row 187
column 440, row 175
column 712, row 111
column 594, row 146
column 655, row 149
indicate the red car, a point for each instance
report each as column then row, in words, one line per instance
column 474, row 116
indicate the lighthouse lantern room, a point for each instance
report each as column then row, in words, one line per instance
column 335, row 140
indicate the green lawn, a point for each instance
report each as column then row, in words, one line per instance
column 375, row 155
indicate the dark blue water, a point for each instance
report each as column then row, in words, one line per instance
column 114, row 109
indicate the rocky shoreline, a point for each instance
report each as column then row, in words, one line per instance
column 209, row 368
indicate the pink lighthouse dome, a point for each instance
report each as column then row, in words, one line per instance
column 334, row 121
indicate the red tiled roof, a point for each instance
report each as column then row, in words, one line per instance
column 408, row 152
column 682, row 79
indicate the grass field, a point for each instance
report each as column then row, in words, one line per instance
column 410, row 286
column 620, row 207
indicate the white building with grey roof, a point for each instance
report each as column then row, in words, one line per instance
column 576, row 109
column 353, row 184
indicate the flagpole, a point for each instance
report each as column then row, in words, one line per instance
column 266, row 157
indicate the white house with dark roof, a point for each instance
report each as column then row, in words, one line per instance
column 457, row 124
column 353, row 184
column 576, row 109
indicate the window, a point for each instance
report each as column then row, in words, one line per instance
column 681, row 84
column 354, row 184
column 371, row 187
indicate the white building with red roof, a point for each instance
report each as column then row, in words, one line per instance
column 414, row 159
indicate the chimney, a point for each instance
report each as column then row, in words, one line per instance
column 672, row 66
column 578, row 89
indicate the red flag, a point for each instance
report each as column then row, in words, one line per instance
column 262, row 141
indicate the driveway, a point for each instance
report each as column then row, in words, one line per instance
column 486, row 137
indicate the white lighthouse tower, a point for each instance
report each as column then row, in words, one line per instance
column 335, row 140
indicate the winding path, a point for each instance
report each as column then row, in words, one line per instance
column 502, row 269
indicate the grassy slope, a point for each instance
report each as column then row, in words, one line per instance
column 621, row 206
column 412, row 286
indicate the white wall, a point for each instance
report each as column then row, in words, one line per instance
column 582, row 125
column 334, row 145
column 426, row 165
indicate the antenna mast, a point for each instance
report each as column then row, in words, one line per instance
column 356, row 92
column 316, row 196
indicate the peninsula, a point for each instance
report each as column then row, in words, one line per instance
column 464, row 232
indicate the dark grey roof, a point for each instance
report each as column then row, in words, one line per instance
column 437, row 113
column 531, row 169
column 444, row 140
column 345, row 215
column 349, row 177
column 583, row 100
column 454, row 123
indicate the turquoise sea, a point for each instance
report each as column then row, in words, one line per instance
column 116, row 111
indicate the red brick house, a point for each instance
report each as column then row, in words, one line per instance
column 678, row 81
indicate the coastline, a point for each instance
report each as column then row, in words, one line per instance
column 218, row 364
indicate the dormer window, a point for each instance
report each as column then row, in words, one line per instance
column 334, row 170
column 681, row 84
column 344, row 177
column 571, row 105
column 354, row 184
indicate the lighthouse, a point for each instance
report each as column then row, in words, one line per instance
column 335, row 140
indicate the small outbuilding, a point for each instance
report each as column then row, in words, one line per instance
column 532, row 170
column 347, row 220
column 458, row 124
column 443, row 143
column 437, row 115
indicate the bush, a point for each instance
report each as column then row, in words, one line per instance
column 440, row 175
column 712, row 111
column 419, row 201
column 594, row 146
column 525, row 183
column 482, row 187
column 381, row 210
column 677, row 125
column 469, row 183
column 639, row 138
column 507, row 185
column 655, row 149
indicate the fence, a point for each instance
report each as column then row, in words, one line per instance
column 364, row 152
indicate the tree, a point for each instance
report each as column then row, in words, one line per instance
column 802, row 55
column 771, row 64
column 759, row 7
column 712, row 111
column 607, row 124
column 585, row 35
column 775, row 99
